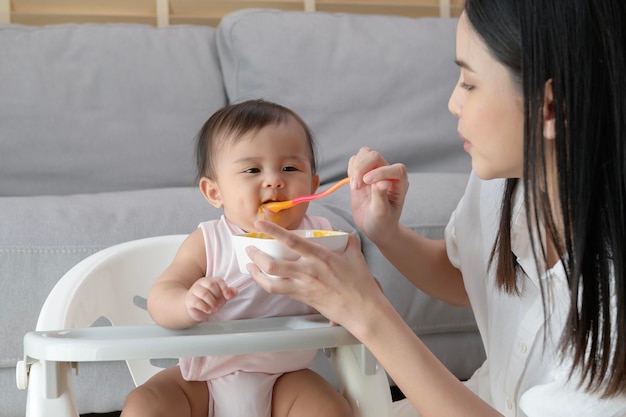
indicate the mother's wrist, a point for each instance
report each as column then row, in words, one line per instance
column 365, row 322
column 386, row 239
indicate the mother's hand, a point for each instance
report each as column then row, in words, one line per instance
column 377, row 194
column 338, row 285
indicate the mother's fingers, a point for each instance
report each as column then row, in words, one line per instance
column 281, row 276
column 315, row 265
column 325, row 280
column 363, row 162
column 272, row 285
column 290, row 240
column 391, row 173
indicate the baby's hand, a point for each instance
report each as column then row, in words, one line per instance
column 206, row 296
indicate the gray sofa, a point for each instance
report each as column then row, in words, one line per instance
column 97, row 124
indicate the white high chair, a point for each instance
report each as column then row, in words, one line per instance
column 114, row 282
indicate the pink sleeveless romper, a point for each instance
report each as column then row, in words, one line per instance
column 241, row 385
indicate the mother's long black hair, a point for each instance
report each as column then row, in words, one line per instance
column 579, row 47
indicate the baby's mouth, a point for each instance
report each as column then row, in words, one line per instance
column 267, row 213
column 274, row 199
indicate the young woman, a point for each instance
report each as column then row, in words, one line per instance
column 537, row 244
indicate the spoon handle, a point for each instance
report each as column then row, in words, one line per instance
column 277, row 206
column 324, row 193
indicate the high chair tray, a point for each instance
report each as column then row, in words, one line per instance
column 110, row 343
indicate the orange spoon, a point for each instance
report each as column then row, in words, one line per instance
column 277, row 206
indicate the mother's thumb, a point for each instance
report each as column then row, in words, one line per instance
column 380, row 196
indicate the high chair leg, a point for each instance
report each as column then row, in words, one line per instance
column 363, row 381
column 50, row 390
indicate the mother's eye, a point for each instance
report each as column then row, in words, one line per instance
column 466, row 86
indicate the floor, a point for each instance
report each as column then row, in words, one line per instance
column 396, row 394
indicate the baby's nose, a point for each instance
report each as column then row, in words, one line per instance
column 274, row 180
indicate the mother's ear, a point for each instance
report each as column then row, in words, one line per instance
column 549, row 123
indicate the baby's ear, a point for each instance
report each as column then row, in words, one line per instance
column 211, row 192
column 549, row 128
column 315, row 182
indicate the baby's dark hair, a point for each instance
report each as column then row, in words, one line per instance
column 233, row 121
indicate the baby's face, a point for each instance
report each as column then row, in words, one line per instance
column 272, row 164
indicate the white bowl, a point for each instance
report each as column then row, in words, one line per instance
column 331, row 239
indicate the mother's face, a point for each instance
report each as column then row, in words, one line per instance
column 489, row 106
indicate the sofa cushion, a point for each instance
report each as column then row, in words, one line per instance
column 92, row 108
column 55, row 232
column 42, row 237
column 357, row 80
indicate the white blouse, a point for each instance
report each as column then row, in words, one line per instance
column 523, row 375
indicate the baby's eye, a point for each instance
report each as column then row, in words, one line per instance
column 252, row 171
column 466, row 86
column 290, row 168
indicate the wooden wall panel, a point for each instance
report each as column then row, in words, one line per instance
column 209, row 12
column 203, row 12
column 39, row 12
column 409, row 8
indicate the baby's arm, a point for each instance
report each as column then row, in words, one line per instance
column 182, row 296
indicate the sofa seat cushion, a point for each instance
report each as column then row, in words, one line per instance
column 42, row 237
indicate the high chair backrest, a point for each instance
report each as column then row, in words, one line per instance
column 111, row 284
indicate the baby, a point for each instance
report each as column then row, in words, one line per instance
column 247, row 154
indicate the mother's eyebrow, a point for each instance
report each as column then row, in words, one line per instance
column 463, row 64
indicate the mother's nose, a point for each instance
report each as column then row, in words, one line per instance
column 454, row 103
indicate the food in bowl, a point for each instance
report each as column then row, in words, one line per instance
column 333, row 240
